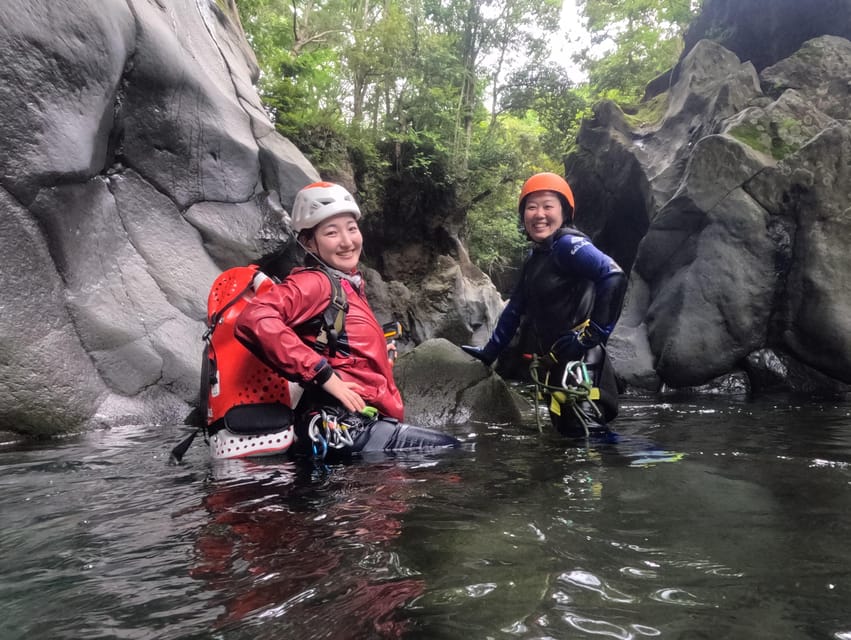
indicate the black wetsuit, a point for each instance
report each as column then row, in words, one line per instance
column 565, row 281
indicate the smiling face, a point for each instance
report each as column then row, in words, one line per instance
column 542, row 215
column 337, row 241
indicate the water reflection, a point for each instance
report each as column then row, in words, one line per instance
column 305, row 551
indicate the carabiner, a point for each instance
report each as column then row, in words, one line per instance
column 569, row 371
column 334, row 438
column 313, row 428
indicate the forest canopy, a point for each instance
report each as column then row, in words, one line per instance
column 471, row 90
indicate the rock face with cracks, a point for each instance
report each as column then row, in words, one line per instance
column 444, row 387
column 132, row 136
column 737, row 184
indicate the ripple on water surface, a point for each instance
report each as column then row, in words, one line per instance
column 716, row 518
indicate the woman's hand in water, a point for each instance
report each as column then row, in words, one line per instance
column 348, row 393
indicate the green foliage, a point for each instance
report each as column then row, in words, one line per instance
column 508, row 151
column 368, row 167
column 641, row 40
column 649, row 112
column 776, row 139
column 422, row 156
column 548, row 94
column 300, row 74
column 441, row 108
column 495, row 240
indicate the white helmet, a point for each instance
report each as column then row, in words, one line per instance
column 320, row 201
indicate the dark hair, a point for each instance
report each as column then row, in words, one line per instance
column 306, row 235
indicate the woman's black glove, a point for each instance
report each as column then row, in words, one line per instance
column 486, row 354
column 573, row 345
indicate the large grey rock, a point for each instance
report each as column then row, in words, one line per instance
column 48, row 380
column 183, row 126
column 629, row 347
column 765, row 31
column 770, row 371
column 710, row 300
column 453, row 306
column 61, row 65
column 131, row 175
column 236, row 233
column 818, row 71
column 136, row 320
column 813, row 314
column 626, row 168
column 747, row 203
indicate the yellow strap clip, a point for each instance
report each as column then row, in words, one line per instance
column 557, row 399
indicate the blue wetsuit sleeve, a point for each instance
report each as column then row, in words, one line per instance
column 578, row 256
column 508, row 323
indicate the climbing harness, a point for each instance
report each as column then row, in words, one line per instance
column 575, row 387
column 328, row 430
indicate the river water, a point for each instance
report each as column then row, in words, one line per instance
column 715, row 519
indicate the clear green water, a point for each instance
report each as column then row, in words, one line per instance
column 744, row 533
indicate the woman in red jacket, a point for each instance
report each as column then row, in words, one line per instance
column 280, row 328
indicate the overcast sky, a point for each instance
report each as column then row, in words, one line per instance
column 573, row 37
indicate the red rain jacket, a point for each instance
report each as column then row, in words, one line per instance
column 267, row 324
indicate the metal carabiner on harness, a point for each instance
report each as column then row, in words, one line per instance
column 338, row 433
column 318, row 439
column 583, row 389
column 579, row 372
column 343, row 436
column 576, row 386
column 325, row 430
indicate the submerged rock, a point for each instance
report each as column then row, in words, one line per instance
column 443, row 387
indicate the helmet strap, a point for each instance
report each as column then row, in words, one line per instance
column 314, row 255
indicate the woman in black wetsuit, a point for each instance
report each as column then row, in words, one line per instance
column 568, row 299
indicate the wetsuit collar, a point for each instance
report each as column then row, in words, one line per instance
column 547, row 243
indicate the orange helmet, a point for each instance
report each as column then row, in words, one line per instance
column 549, row 182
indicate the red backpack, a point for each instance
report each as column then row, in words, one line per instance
column 231, row 375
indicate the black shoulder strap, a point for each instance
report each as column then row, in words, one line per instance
column 333, row 318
